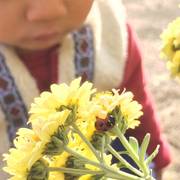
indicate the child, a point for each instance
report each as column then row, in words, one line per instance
column 51, row 41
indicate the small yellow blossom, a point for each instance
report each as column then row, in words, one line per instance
column 51, row 125
column 58, row 161
column 174, row 65
column 171, row 47
column 86, row 177
column 27, row 151
column 48, row 106
column 61, row 95
column 130, row 109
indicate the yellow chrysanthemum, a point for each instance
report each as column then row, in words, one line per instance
column 104, row 104
column 130, row 109
column 171, row 47
column 174, row 65
column 86, row 177
column 58, row 161
column 61, row 95
column 56, row 176
column 51, row 125
column 25, row 136
column 27, row 151
column 87, row 123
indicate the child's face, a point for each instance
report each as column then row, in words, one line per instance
column 40, row 24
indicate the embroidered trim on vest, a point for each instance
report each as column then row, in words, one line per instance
column 11, row 101
column 84, row 53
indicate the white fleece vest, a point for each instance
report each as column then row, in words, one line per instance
column 107, row 20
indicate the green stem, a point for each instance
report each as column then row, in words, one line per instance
column 122, row 160
column 74, row 153
column 102, row 149
column 125, row 143
column 144, row 168
column 104, row 167
column 132, row 153
column 76, row 171
column 86, row 141
column 88, row 161
column 142, row 155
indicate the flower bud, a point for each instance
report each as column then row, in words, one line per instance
column 97, row 140
column 57, row 142
column 39, row 171
column 74, row 163
column 119, row 119
column 72, row 116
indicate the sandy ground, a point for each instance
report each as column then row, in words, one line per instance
column 149, row 18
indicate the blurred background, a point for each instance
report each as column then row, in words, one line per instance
column 149, row 18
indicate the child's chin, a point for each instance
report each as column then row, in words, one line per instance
column 33, row 45
column 36, row 47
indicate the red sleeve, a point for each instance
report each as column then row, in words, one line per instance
column 134, row 81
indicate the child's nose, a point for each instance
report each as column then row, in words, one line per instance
column 46, row 10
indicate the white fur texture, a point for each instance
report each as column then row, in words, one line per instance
column 107, row 19
column 26, row 85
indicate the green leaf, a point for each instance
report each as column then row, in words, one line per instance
column 134, row 144
column 144, row 147
column 153, row 155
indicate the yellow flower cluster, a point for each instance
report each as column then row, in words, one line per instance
column 130, row 109
column 60, row 120
column 171, row 47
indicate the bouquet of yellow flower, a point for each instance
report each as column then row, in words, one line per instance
column 171, row 47
column 72, row 130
